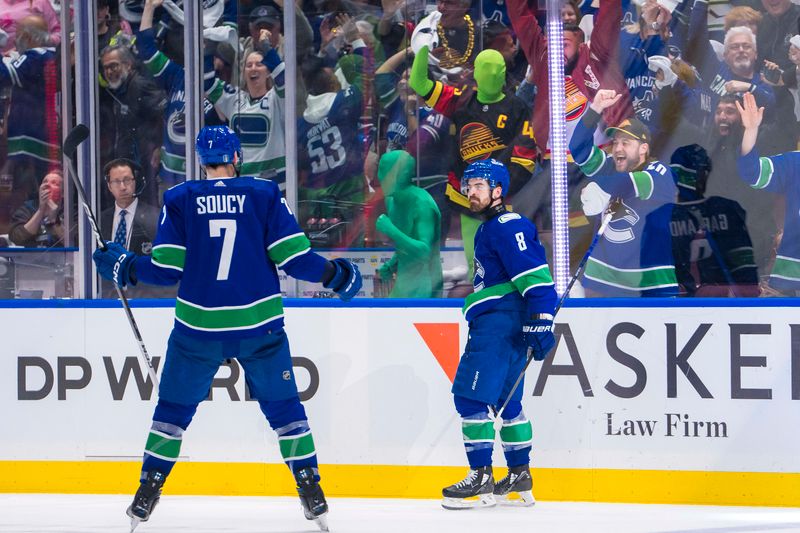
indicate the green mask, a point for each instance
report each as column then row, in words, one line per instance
column 395, row 171
column 490, row 74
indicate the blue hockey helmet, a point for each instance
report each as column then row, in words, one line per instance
column 493, row 171
column 216, row 145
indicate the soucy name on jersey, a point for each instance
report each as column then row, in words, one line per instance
column 218, row 204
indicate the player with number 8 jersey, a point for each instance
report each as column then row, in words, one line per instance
column 224, row 238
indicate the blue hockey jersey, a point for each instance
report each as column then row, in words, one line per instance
column 780, row 174
column 510, row 264
column 330, row 148
column 635, row 253
column 33, row 120
column 170, row 76
column 224, row 239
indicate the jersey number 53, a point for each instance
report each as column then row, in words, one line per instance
column 326, row 151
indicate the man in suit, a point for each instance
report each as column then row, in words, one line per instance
column 131, row 222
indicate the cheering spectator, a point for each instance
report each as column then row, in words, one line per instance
column 170, row 77
column 270, row 19
column 40, row 223
column 634, row 257
column 586, row 69
column 331, row 155
column 257, row 113
column 724, row 147
column 451, row 36
column 775, row 174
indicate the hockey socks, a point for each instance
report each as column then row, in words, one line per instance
column 297, row 446
column 516, row 436
column 478, row 433
column 288, row 419
column 477, row 430
column 166, row 435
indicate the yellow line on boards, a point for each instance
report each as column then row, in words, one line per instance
column 389, row 481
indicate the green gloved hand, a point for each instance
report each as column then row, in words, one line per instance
column 385, row 272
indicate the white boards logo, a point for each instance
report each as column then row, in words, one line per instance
column 39, row 378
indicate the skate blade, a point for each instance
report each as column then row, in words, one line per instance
column 134, row 522
column 458, row 504
column 322, row 521
column 516, row 499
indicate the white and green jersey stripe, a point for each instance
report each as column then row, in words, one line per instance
column 631, row 279
column 224, row 240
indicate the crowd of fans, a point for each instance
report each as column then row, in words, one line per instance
column 449, row 83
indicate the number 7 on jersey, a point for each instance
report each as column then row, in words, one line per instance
column 215, row 227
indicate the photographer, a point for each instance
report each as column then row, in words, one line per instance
column 40, row 223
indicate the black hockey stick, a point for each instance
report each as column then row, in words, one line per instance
column 75, row 137
column 498, row 420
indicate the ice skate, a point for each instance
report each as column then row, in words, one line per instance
column 475, row 490
column 146, row 498
column 312, row 498
column 515, row 489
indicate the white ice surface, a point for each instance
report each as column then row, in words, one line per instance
column 60, row 513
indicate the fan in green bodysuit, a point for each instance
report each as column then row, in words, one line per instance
column 489, row 123
column 414, row 224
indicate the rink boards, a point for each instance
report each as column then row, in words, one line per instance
column 680, row 404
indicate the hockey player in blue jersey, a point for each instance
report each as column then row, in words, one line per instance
column 510, row 312
column 224, row 238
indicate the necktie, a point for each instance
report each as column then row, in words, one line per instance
column 122, row 230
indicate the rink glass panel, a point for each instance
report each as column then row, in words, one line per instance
column 724, row 244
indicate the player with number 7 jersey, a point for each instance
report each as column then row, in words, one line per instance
column 224, row 239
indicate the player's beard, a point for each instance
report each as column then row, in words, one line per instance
column 477, row 205
column 627, row 165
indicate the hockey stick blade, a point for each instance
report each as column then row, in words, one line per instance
column 75, row 137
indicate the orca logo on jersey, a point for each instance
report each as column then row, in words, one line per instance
column 220, row 204
column 508, row 216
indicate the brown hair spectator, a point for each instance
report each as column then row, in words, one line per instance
column 743, row 16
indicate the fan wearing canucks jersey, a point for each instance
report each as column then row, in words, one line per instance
column 224, row 238
column 634, row 256
column 257, row 114
column 510, row 315
column 780, row 174
column 331, row 150
column 169, row 76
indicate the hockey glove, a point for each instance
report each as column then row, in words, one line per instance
column 539, row 337
column 346, row 279
column 115, row 264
